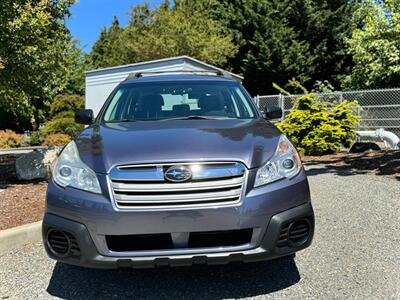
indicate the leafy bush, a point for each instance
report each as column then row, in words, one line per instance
column 10, row 139
column 66, row 103
column 57, row 139
column 37, row 138
column 317, row 128
column 65, row 114
column 65, row 125
column 62, row 123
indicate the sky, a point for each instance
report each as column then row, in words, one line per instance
column 90, row 16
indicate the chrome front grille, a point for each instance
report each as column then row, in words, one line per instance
column 145, row 186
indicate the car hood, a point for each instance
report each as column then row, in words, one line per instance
column 251, row 142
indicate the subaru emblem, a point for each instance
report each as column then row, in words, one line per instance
column 178, row 174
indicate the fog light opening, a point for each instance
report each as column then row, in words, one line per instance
column 299, row 232
column 58, row 243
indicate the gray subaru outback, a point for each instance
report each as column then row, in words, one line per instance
column 177, row 169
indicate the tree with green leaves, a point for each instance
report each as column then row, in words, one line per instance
column 163, row 32
column 375, row 46
column 75, row 71
column 178, row 30
column 34, row 59
column 283, row 39
column 108, row 51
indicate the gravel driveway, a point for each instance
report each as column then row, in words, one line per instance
column 355, row 254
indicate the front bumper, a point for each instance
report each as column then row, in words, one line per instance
column 268, row 249
column 90, row 218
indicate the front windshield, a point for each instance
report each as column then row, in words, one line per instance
column 184, row 99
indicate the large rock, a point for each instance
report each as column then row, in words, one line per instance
column 7, row 167
column 36, row 164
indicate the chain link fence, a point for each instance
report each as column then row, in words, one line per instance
column 376, row 108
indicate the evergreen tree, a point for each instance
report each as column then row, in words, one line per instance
column 75, row 73
column 324, row 25
column 163, row 32
column 107, row 51
column 176, row 30
column 273, row 40
column 282, row 39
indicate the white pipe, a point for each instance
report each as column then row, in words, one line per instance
column 383, row 135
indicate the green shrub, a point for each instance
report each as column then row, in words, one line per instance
column 66, row 103
column 62, row 111
column 57, row 139
column 37, row 138
column 65, row 125
column 318, row 128
column 65, row 114
column 10, row 139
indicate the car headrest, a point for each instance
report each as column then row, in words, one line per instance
column 209, row 103
column 181, row 108
column 152, row 102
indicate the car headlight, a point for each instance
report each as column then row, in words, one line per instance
column 285, row 163
column 69, row 170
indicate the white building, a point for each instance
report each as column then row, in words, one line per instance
column 100, row 83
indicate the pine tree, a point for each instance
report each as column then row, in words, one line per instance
column 282, row 39
column 107, row 50
column 163, row 32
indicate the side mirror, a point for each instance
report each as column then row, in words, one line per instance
column 85, row 117
column 273, row 112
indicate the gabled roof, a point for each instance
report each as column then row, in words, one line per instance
column 172, row 63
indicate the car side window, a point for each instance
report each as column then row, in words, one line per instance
column 111, row 113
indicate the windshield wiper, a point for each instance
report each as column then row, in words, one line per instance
column 127, row 120
column 197, row 117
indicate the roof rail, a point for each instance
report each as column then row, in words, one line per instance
column 216, row 72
